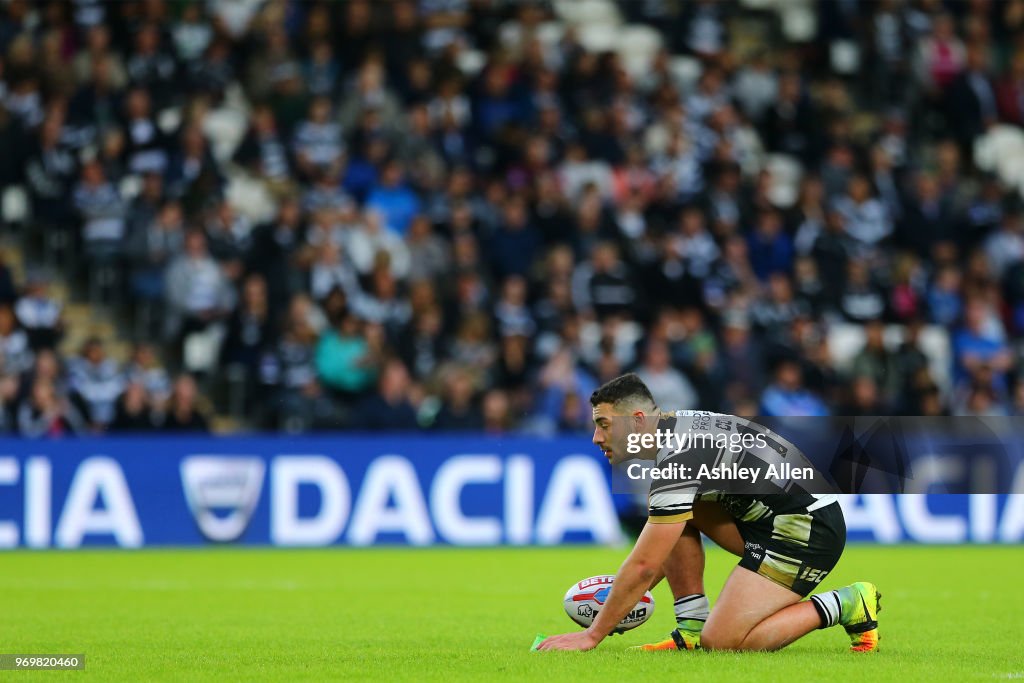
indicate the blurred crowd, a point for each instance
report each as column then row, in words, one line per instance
column 460, row 247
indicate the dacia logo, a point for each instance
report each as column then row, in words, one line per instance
column 222, row 493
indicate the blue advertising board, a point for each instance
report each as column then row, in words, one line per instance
column 360, row 490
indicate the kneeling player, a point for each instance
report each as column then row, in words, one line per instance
column 787, row 543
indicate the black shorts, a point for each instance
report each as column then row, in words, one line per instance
column 794, row 548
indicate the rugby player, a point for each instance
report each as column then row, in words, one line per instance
column 787, row 543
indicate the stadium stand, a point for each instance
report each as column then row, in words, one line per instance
column 466, row 214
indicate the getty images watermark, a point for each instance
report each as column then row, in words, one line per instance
column 726, row 454
column 673, row 443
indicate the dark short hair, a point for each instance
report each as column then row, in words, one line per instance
column 625, row 387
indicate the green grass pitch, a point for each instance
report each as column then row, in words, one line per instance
column 949, row 613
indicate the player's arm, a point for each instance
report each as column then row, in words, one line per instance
column 631, row 582
column 636, row 574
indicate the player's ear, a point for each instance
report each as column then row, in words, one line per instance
column 638, row 420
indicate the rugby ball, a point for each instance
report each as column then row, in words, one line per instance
column 586, row 598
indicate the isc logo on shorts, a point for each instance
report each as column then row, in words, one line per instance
column 812, row 575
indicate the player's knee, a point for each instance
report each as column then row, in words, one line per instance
column 713, row 639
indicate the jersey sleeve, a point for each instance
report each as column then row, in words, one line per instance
column 671, row 500
column 670, row 506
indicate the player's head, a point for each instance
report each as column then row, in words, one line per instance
column 621, row 407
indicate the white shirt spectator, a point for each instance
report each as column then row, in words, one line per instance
column 102, row 211
column 38, row 312
column 320, row 143
column 669, row 387
column 575, row 175
column 1004, row 248
column 17, row 356
column 363, row 243
column 196, row 285
column 99, row 385
column 867, row 222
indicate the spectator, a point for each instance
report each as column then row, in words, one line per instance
column 274, row 251
column 97, row 47
column 741, row 360
column 345, row 360
column 497, row 418
column 146, row 144
column 525, row 220
column 421, row 346
column 389, row 409
column 371, row 93
column 940, row 56
column 866, row 219
column 511, row 312
column 191, row 34
column 197, row 291
column 972, row 101
column 39, row 314
column 428, row 253
column 151, row 66
column 96, row 383
column 102, row 213
column 788, row 125
column 979, row 351
column 14, row 346
column 370, row 238
column 393, row 199
column 182, row 413
column 604, row 284
column 145, row 369
column 669, row 386
column 132, row 412
column 318, row 145
column 264, row 151
column 193, row 175
column 459, row 411
column 787, row 397
column 876, row 363
column 929, row 218
column 1005, row 247
column 151, row 248
column 49, row 167
column 863, row 300
column 250, row 328
column 771, row 249
column 45, row 414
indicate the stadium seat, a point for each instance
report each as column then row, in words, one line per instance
column 583, row 12
column 225, row 129
column 14, row 206
column 250, row 198
column 550, row 32
column 845, row 340
column 599, row 37
column 169, row 119
column 1010, row 168
column 999, row 151
column 786, row 173
column 844, row 56
column 637, row 45
column 686, row 71
column 129, row 187
column 470, row 62
column 799, row 24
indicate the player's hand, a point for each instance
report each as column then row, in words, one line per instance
column 581, row 640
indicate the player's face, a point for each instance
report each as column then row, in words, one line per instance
column 610, row 431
